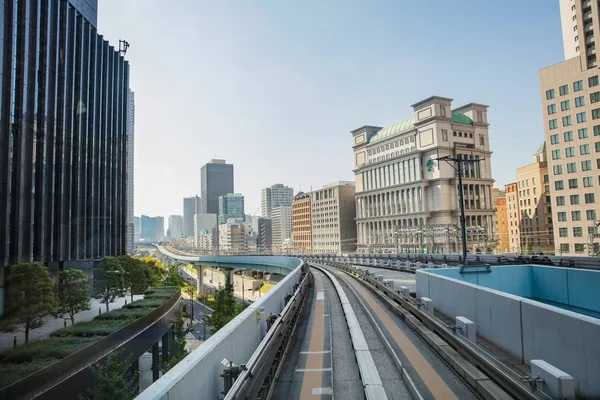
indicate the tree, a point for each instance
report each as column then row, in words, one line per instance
column 32, row 295
column 191, row 291
column 173, row 278
column 225, row 306
column 529, row 247
column 136, row 277
column 111, row 380
column 178, row 352
column 109, row 283
column 156, row 271
column 72, row 293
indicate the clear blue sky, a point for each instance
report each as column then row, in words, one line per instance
column 275, row 87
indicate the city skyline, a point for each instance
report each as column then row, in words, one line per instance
column 237, row 118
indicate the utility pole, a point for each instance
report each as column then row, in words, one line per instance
column 457, row 164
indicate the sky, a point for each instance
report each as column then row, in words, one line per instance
column 275, row 87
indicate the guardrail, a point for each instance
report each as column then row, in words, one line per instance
column 39, row 382
column 258, row 375
column 492, row 367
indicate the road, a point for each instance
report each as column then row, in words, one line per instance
column 200, row 311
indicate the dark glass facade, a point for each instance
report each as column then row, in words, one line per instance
column 216, row 180
column 63, row 142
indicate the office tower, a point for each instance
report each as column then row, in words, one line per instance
column 191, row 207
column 205, row 231
column 62, row 197
column 232, row 235
column 130, row 137
column 137, row 226
column 175, row 226
column 275, row 196
column 264, row 233
column 570, row 92
column 501, row 220
column 406, row 200
column 332, row 211
column 153, row 229
column 216, row 180
column 231, row 205
column 281, row 225
column 301, row 223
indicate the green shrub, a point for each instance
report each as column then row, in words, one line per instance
column 10, row 373
column 153, row 303
column 91, row 328
column 55, row 348
column 125, row 313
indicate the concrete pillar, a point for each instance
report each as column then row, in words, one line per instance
column 155, row 362
column 556, row 383
column 418, row 164
column 467, row 328
column 200, row 280
column 165, row 346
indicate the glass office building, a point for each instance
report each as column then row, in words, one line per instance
column 63, row 142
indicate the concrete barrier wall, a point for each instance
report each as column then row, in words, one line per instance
column 197, row 376
column 526, row 329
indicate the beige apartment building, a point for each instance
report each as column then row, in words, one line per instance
column 513, row 217
column 301, row 223
column 535, row 206
column 333, row 210
column 406, row 199
column 570, row 92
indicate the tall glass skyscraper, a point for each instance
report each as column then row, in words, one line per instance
column 63, row 142
column 216, row 180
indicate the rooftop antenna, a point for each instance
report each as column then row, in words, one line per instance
column 123, row 46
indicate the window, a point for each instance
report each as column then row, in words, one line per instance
column 560, row 200
column 587, row 181
column 586, row 165
column 546, row 188
column 559, row 185
column 554, row 139
column 577, row 231
column 570, row 151
column 568, row 135
column 594, row 97
column 387, row 146
column 596, row 130
column 574, row 199
column 562, row 216
column 552, row 109
column 575, row 215
column 555, row 154
column 563, row 232
column 573, row 183
column 578, row 247
column 557, row 169
column 454, row 133
column 590, row 215
column 582, row 133
column 481, row 140
column 566, row 121
column 553, row 124
column 596, row 113
column 412, row 139
column 564, row 247
column 577, row 86
column 444, row 134
column 479, row 116
column 581, row 117
column 565, row 105
column 579, row 101
column 571, row 168
column 443, row 111
column 563, row 90
column 589, row 198
column 584, row 149
column 549, row 94
column 593, row 81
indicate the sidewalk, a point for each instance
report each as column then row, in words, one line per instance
column 52, row 324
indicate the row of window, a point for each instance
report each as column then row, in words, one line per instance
column 586, row 165
column 577, row 86
column 568, row 121
column 570, row 151
column 388, row 156
column 573, row 183
column 568, row 136
column 589, row 198
column 579, row 247
column 392, row 145
column 564, row 232
column 579, row 102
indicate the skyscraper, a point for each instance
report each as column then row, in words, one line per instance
column 175, row 226
column 570, row 92
column 281, row 225
column 231, row 205
column 264, row 233
column 153, row 228
column 275, row 196
column 216, row 180
column 62, row 194
column 130, row 133
column 191, row 207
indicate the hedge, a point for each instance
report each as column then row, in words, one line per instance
column 91, row 328
column 125, row 313
column 55, row 348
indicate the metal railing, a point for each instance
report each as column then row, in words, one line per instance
column 39, row 382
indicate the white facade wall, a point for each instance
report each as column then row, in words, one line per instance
column 281, row 219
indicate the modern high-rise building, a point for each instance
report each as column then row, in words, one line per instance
column 570, row 92
column 130, row 148
column 301, row 223
column 264, row 233
column 333, row 212
column 281, row 220
column 65, row 89
column 275, row 196
column 175, row 226
column 216, row 180
column 153, row 229
column 191, row 207
column 205, row 231
column 137, row 227
column 406, row 200
column 231, row 205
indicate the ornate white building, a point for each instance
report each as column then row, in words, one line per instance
column 406, row 200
